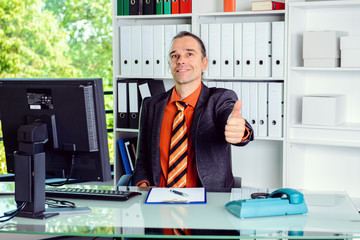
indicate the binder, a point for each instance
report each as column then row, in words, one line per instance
column 159, row 7
column 175, row 6
column 236, row 86
column 253, row 110
column 123, row 154
column 220, row 84
column 263, row 109
column 185, row 6
column 248, row 49
column 278, row 45
column 275, row 121
column 183, row 27
column 122, row 116
column 120, row 7
column 214, row 49
column 125, row 50
column 170, row 32
column 133, row 98
column 136, row 51
column 167, row 6
column 130, row 147
column 147, row 50
column 228, row 85
column 150, row 87
column 149, row 7
column 135, row 7
column 263, row 49
column 126, row 7
column 204, row 35
column 227, row 51
column 238, row 50
column 159, row 63
column 245, row 98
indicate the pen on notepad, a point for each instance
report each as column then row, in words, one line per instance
column 179, row 193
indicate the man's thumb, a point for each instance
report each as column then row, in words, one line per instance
column 236, row 109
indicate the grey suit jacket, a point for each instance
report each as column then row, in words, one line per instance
column 212, row 152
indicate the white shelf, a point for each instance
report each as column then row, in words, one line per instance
column 344, row 126
column 325, row 4
column 242, row 13
column 324, row 143
column 155, row 17
column 330, row 69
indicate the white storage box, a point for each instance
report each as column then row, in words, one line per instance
column 326, row 110
column 350, row 51
column 322, row 48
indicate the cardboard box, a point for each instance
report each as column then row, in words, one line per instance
column 322, row 48
column 350, row 51
column 326, row 110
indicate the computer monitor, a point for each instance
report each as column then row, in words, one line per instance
column 73, row 111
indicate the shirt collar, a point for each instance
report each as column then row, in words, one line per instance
column 189, row 100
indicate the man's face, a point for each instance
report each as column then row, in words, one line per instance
column 186, row 61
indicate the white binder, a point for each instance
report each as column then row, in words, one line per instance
column 211, row 84
column 183, row 27
column 133, row 104
column 227, row 50
column 204, row 35
column 245, row 98
column 248, row 49
column 125, row 50
column 214, row 49
column 148, row 50
column 263, row 49
column 136, row 51
column 238, row 50
column 253, row 110
column 228, row 85
column 122, row 117
column 278, row 46
column 170, row 32
column 275, row 109
column 237, row 89
column 263, row 109
column 159, row 57
column 220, row 84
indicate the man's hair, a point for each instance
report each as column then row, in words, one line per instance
column 189, row 34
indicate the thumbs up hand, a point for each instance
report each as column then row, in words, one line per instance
column 235, row 126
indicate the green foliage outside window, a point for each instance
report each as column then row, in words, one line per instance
column 62, row 38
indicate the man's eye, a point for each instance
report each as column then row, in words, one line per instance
column 189, row 54
column 173, row 56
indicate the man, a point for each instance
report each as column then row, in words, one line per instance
column 212, row 122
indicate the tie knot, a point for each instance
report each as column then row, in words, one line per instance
column 180, row 105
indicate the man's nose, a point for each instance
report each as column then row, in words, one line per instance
column 181, row 60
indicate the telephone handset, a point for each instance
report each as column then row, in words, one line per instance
column 284, row 201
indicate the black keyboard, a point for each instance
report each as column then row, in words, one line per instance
column 91, row 194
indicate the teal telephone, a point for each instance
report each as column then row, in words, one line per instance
column 284, row 201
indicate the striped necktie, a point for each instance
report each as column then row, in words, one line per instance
column 178, row 149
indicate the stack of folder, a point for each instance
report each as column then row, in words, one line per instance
column 143, row 49
column 130, row 93
column 262, row 104
column 249, row 49
column 151, row 7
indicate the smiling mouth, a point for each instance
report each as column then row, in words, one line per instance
column 181, row 70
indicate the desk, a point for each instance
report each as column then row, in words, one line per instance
column 331, row 215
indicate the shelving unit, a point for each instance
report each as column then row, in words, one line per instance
column 261, row 162
column 307, row 156
column 322, row 157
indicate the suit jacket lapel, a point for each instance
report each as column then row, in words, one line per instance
column 155, row 149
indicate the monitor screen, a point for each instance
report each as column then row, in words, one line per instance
column 74, row 113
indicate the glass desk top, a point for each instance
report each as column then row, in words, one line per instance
column 331, row 215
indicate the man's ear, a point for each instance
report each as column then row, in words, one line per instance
column 204, row 63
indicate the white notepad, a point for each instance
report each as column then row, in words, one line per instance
column 176, row 196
